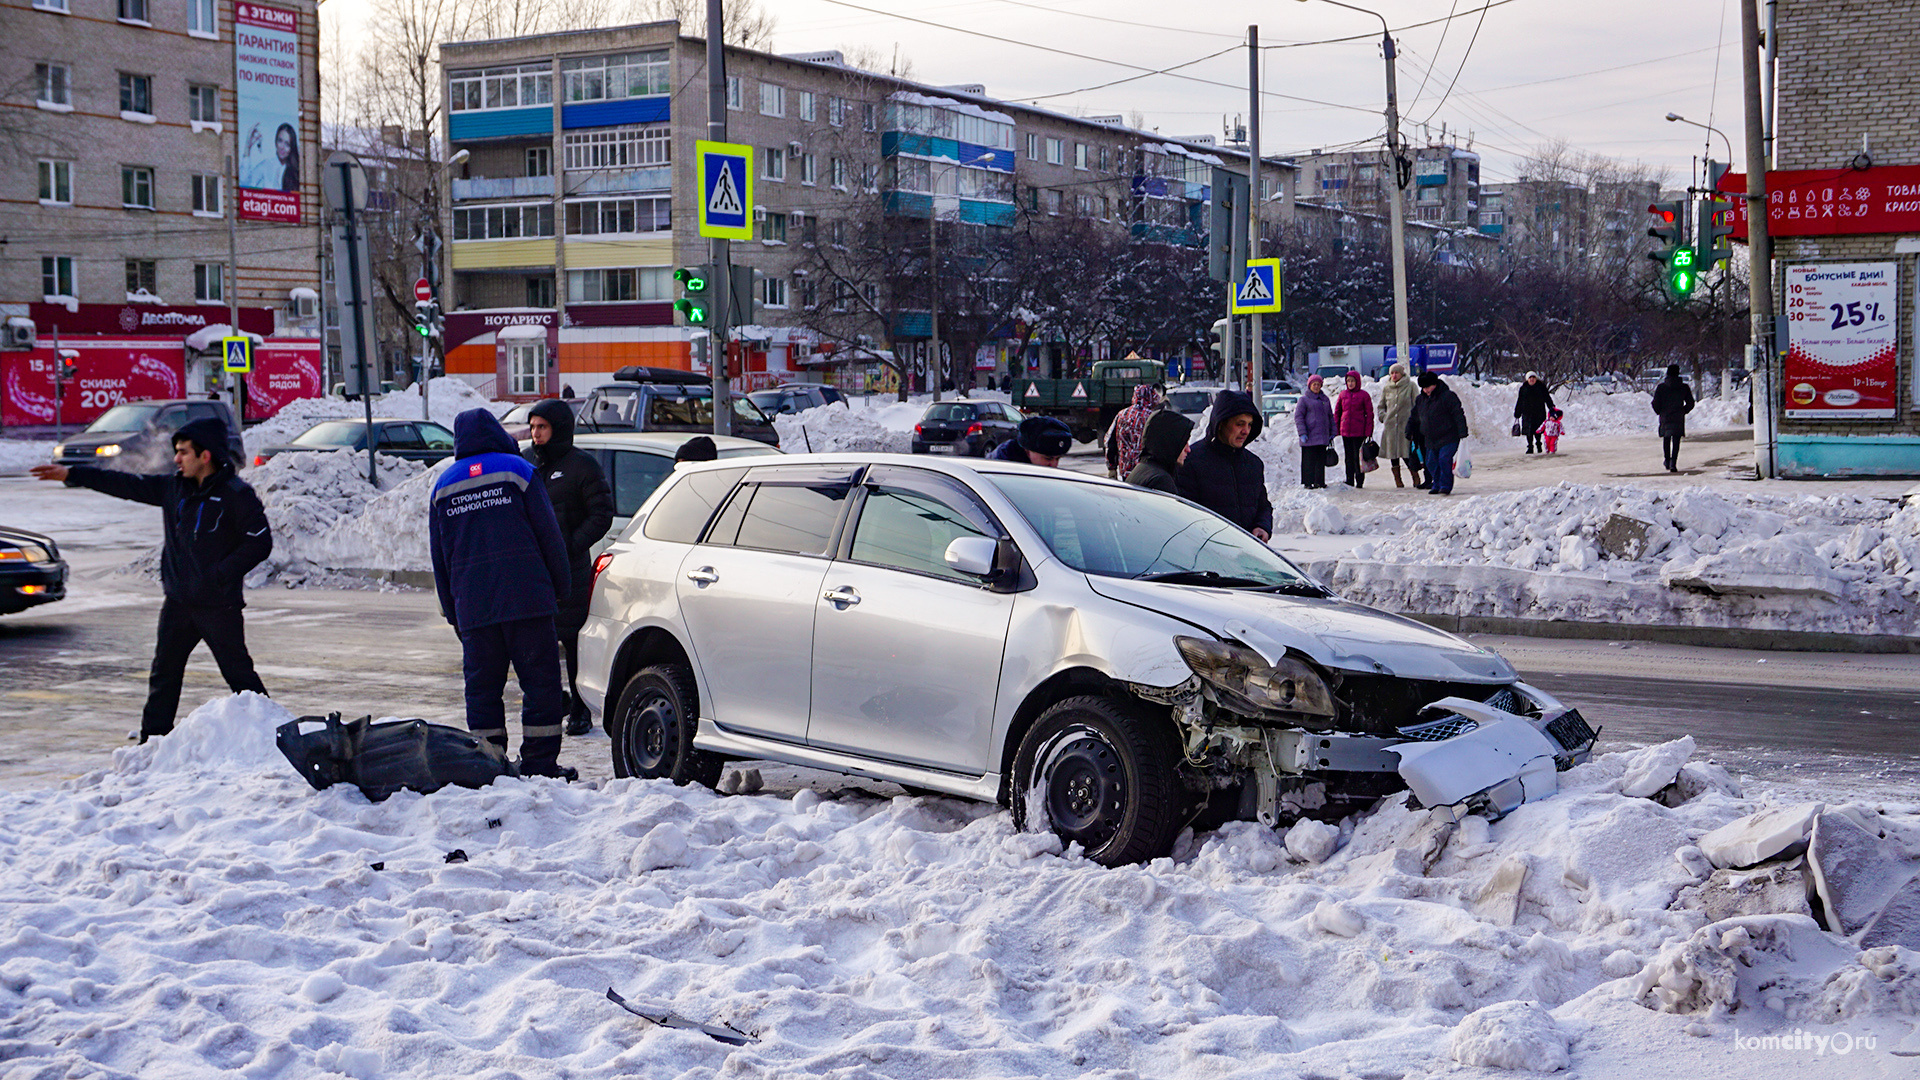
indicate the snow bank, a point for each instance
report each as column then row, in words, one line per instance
column 449, row 396
column 19, row 455
column 319, row 506
column 198, row 909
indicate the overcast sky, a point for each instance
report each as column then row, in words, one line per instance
column 1601, row 76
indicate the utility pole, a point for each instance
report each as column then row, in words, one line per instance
column 1402, row 340
column 1255, row 361
column 1760, row 285
column 722, row 257
column 935, row 369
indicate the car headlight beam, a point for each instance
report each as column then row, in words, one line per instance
column 109, row 450
column 1286, row 685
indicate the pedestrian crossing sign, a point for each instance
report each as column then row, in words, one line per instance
column 725, row 190
column 1259, row 289
column 238, row 352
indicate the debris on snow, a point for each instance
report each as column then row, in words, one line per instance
column 1515, row 1035
column 1776, row 833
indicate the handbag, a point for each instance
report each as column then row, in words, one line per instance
column 1517, row 430
column 1369, row 456
column 1332, row 457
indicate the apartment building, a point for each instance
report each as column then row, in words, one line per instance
column 1444, row 188
column 118, row 199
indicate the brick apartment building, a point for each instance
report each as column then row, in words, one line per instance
column 121, row 122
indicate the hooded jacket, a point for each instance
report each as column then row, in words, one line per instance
column 215, row 529
column 1313, row 418
column 1160, row 446
column 582, row 502
column 1396, row 405
column 1129, row 428
column 1438, row 418
column 1230, row 481
column 1353, row 413
column 1673, row 400
column 498, row 554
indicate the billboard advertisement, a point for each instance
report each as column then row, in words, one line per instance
column 1842, row 341
column 1833, row 202
column 267, row 64
column 110, row 373
column 282, row 374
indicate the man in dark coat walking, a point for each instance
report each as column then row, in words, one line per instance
column 1224, row 476
column 500, row 566
column 1673, row 400
column 1163, row 446
column 1531, row 408
column 1438, row 424
column 583, row 505
column 216, row 531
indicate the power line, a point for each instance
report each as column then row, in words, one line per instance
column 1438, row 46
column 1456, row 71
column 1130, row 78
column 1120, row 22
column 1370, row 37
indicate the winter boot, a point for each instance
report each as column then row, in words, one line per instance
column 1397, row 482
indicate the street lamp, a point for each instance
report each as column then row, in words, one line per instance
column 1397, row 212
column 1673, row 116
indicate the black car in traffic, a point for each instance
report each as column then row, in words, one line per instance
column 31, row 570
column 415, row 440
column 969, row 427
column 137, row 436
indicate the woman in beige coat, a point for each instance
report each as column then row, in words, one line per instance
column 1396, row 403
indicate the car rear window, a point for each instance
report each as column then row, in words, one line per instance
column 635, row 475
column 686, row 507
column 950, row 412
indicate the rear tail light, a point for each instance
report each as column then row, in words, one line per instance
column 916, row 429
column 976, row 429
column 259, row 459
column 600, row 563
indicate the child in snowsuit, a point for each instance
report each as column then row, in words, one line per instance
column 1551, row 430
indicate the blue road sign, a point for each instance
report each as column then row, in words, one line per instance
column 1258, row 290
column 238, row 352
column 725, row 190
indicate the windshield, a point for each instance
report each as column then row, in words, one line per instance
column 124, row 418
column 519, row 414
column 767, row 399
column 949, row 412
column 1134, row 533
column 333, row 433
column 748, row 411
column 1190, row 401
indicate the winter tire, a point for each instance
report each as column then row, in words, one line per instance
column 1099, row 773
column 658, row 713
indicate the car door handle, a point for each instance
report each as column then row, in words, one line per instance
column 843, row 596
column 704, row 575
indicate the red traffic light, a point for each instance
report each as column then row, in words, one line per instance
column 1665, row 216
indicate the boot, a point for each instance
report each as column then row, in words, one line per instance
column 1397, row 482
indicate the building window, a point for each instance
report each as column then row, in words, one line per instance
column 619, row 285
column 773, row 100
column 806, row 105
column 203, row 104
column 136, row 187
column 869, row 117
column 142, row 276
column 776, row 164
column 628, row 147
column 56, row 276
column 133, row 11
column 503, row 222
column 526, row 366
column 869, row 178
column 1052, row 200
column 773, row 227
column 773, row 292
column 515, row 87
column 56, row 183
column 807, row 170
column 837, row 173
column 809, row 294
column 809, row 228
column 54, row 87
column 837, row 233
column 206, row 194
column 50, row 5
column 615, row 78
column 837, row 111
column 1033, row 147
column 1056, row 151
column 733, row 92
column 200, row 17
column 604, row 217
column 540, row 161
column 540, row 292
column 1080, row 156
column 136, row 94
column 206, row 281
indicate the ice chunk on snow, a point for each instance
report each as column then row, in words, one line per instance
column 1759, row 837
column 1512, row 1035
column 322, row 986
column 1312, row 841
column 1780, row 889
column 1737, row 963
column 1781, row 565
column 1855, row 872
column 1898, row 922
column 1336, row 919
column 1655, row 767
column 1325, row 519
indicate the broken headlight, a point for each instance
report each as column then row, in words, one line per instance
column 1251, row 684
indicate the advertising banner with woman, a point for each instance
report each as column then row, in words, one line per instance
column 267, row 66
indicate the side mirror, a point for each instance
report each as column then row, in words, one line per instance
column 973, row 555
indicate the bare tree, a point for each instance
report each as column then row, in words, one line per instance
column 748, row 25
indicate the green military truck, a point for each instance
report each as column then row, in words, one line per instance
column 1088, row 404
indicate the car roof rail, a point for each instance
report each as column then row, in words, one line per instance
column 636, row 374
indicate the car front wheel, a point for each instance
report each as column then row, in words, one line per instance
column 1100, row 774
column 656, row 718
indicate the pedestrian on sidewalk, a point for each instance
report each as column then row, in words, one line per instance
column 1550, row 431
column 1396, row 405
column 1163, row 446
column 215, row 532
column 1531, row 409
column 1438, row 423
column 500, row 566
column 1313, row 421
column 583, row 506
column 1129, row 427
column 1672, row 400
column 1353, row 416
column 1221, row 474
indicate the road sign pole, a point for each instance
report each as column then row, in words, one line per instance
column 721, row 255
column 1255, row 347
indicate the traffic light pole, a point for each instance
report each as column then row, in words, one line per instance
column 722, row 255
column 1256, row 346
column 1760, row 273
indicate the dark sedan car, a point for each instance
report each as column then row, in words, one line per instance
column 138, row 436
column 415, row 440
column 31, row 571
column 972, row 427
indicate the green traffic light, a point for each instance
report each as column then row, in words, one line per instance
column 690, row 279
column 692, row 312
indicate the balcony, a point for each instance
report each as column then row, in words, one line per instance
column 503, row 187
column 620, row 180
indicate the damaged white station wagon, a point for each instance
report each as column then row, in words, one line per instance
column 1112, row 663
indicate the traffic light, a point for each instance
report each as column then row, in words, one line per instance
column 696, row 294
column 1219, row 335
column 1670, row 222
column 68, row 370
column 423, row 318
column 1716, row 223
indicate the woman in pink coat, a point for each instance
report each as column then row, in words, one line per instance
column 1353, row 419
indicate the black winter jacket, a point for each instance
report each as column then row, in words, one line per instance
column 1160, row 446
column 216, row 529
column 1231, row 482
column 1673, row 400
column 1533, row 404
column 582, row 501
column 1437, row 419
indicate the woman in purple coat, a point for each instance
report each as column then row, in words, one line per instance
column 1313, row 419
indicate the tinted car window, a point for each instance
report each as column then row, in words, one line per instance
column 400, row 437
column 908, row 521
column 436, row 437
column 208, row 411
column 688, row 505
column 171, row 418
column 792, row 518
column 635, row 475
column 950, row 412
column 675, row 411
column 333, row 433
column 124, row 418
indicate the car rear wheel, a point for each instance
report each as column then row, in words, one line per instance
column 656, row 718
column 1099, row 773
